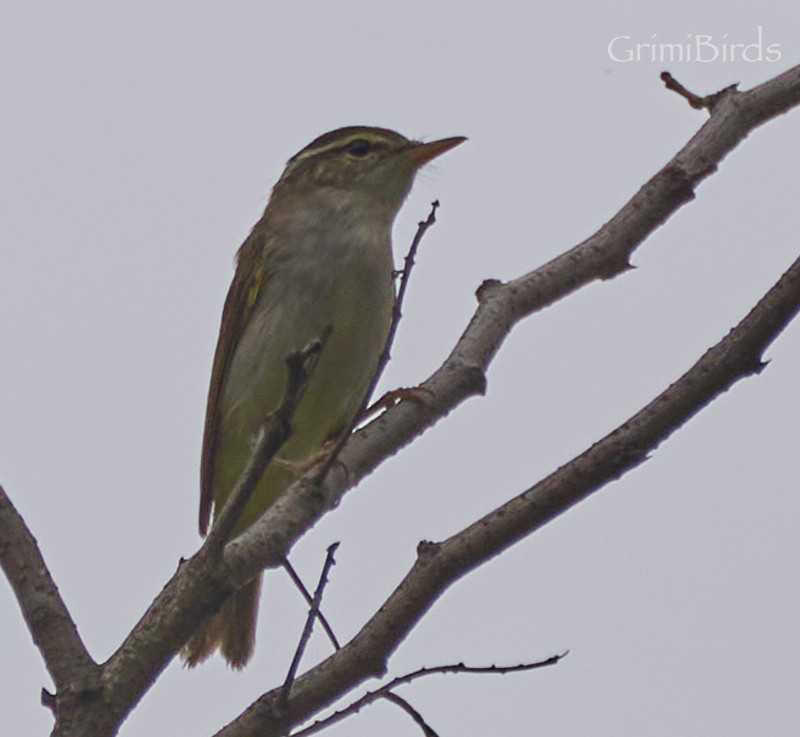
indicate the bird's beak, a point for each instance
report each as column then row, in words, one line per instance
column 421, row 153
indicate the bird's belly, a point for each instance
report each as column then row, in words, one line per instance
column 356, row 302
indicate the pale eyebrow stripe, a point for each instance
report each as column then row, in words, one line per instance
column 331, row 145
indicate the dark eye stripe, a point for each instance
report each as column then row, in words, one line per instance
column 358, row 147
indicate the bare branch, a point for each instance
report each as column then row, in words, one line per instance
column 298, row 582
column 386, row 691
column 698, row 103
column 313, row 613
column 46, row 615
column 426, row 728
column 405, row 276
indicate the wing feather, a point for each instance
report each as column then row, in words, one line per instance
column 248, row 280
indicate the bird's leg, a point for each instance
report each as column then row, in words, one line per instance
column 299, row 466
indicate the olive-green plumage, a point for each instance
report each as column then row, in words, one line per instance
column 318, row 260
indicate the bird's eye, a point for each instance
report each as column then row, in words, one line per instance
column 358, row 147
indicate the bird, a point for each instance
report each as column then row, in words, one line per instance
column 318, row 261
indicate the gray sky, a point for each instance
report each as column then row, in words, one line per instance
column 139, row 144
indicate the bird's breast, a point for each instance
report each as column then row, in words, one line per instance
column 346, row 287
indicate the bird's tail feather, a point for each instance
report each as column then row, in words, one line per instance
column 232, row 629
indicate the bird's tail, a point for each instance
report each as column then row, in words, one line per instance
column 232, row 629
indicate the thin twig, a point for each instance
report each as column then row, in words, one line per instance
column 698, row 103
column 301, row 587
column 381, row 693
column 426, row 728
column 313, row 613
column 272, row 434
column 405, row 274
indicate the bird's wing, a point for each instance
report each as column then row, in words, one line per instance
column 248, row 281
